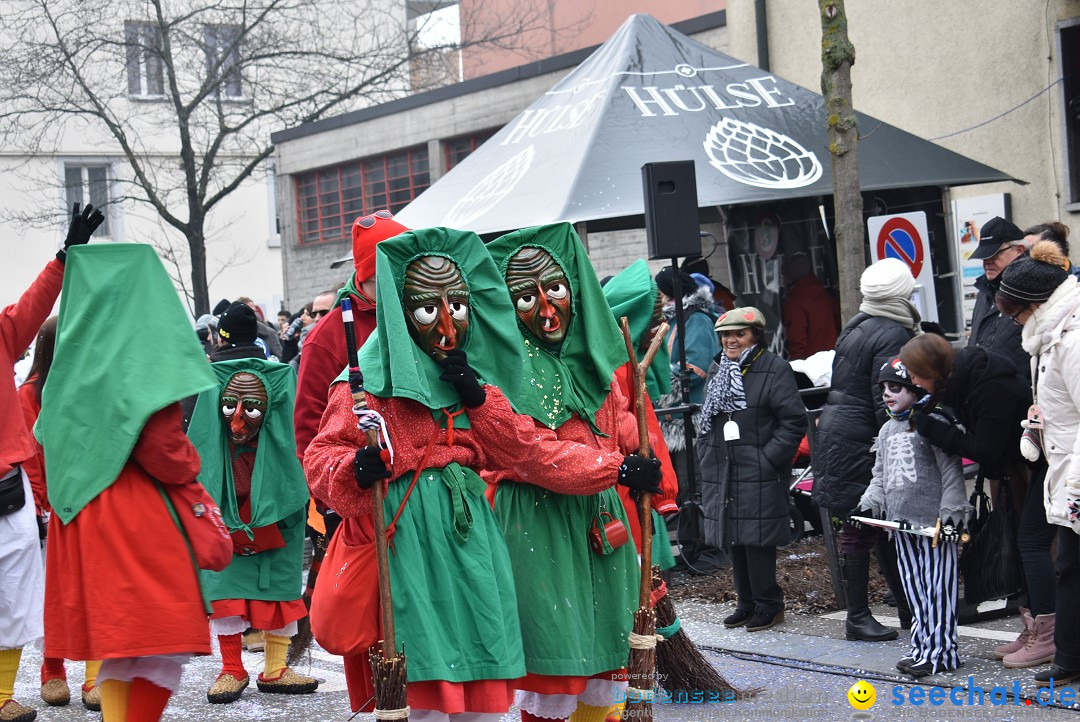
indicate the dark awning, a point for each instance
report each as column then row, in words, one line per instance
column 652, row 94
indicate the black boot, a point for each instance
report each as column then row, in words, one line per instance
column 890, row 569
column 861, row 625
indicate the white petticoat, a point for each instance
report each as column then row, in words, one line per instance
column 22, row 576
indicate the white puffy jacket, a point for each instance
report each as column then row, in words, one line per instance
column 1052, row 337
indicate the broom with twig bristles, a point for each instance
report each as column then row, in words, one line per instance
column 388, row 670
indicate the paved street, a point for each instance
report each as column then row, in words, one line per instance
column 803, row 668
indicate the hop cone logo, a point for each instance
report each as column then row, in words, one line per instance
column 489, row 191
column 759, row 156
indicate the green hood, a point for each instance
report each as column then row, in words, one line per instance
column 124, row 351
column 632, row 293
column 580, row 372
column 394, row 366
column 278, row 487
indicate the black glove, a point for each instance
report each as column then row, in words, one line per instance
column 860, row 512
column 932, row 427
column 951, row 531
column 369, row 467
column 82, row 227
column 640, row 475
column 458, row 372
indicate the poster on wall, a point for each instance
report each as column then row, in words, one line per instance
column 905, row 236
column 969, row 215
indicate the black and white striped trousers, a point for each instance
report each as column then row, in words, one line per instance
column 930, row 580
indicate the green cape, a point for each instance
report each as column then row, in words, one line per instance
column 124, row 350
column 392, row 363
column 580, row 372
column 632, row 293
column 278, row 486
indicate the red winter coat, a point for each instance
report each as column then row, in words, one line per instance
column 322, row 359
column 127, row 585
column 19, row 323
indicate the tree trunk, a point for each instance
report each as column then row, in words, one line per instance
column 837, row 57
column 200, row 291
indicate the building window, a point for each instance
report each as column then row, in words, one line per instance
column 328, row 200
column 1070, row 85
column 145, row 68
column 457, row 149
column 88, row 184
column 223, row 58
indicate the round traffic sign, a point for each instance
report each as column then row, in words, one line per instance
column 899, row 239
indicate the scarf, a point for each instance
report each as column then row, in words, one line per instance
column 900, row 310
column 394, row 366
column 124, row 351
column 576, row 377
column 725, row 392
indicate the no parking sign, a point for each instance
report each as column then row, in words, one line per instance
column 904, row 236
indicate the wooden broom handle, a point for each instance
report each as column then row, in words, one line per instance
column 645, row 503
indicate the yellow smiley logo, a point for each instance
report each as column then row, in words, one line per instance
column 862, row 695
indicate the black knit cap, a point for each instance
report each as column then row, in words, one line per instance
column 1031, row 281
column 895, row 371
column 238, row 324
column 666, row 284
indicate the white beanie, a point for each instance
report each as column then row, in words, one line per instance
column 888, row 278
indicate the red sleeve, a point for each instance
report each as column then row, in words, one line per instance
column 534, row 454
column 319, row 366
column 669, row 482
column 163, row 449
column 35, row 465
column 20, row 321
column 328, row 462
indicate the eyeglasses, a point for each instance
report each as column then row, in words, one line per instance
column 1015, row 318
column 369, row 221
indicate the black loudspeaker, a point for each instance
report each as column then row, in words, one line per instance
column 671, row 209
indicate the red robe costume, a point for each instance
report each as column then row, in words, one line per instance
column 323, row 358
column 35, row 465
column 567, row 468
column 130, row 585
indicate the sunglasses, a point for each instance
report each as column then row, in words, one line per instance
column 369, row 221
column 320, row 313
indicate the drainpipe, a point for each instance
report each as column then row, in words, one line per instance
column 762, row 34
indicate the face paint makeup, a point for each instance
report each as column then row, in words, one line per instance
column 243, row 404
column 541, row 294
column 436, row 305
column 897, row 397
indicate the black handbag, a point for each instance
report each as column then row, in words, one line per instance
column 990, row 564
column 12, row 493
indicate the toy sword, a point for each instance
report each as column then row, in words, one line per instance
column 933, row 532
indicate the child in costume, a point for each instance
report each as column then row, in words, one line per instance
column 633, row 293
column 574, row 349
column 439, row 296
column 54, row 686
column 919, row 483
column 243, row 431
column 122, row 585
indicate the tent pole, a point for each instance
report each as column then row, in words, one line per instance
column 762, row 34
column 691, row 504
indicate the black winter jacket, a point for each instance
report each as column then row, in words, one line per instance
column 744, row 490
column 990, row 398
column 853, row 412
column 994, row 331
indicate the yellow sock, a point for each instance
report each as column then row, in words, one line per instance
column 275, row 652
column 588, row 713
column 92, row 667
column 114, row 700
column 9, row 667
